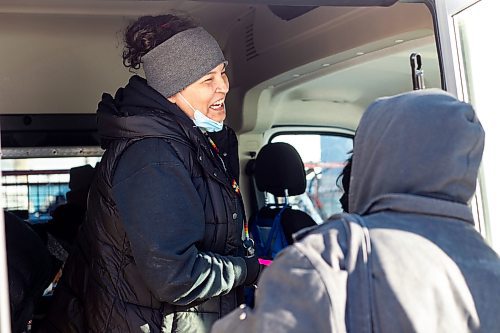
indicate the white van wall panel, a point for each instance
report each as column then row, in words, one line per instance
column 60, row 56
column 288, row 48
column 58, row 64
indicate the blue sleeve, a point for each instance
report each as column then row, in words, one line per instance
column 163, row 217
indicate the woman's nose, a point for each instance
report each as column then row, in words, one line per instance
column 222, row 84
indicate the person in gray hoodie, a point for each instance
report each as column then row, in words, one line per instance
column 407, row 258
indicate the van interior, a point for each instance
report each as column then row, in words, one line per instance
column 300, row 72
column 295, row 71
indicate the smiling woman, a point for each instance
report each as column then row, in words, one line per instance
column 166, row 188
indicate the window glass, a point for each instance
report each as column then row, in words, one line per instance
column 324, row 157
column 479, row 74
column 33, row 187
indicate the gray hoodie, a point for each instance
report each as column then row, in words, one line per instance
column 408, row 259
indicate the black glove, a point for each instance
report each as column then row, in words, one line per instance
column 253, row 270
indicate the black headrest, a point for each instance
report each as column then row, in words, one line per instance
column 278, row 166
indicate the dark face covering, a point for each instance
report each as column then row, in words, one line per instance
column 346, row 179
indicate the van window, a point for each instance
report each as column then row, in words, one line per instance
column 324, row 156
column 33, row 187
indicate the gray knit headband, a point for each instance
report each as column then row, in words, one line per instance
column 181, row 60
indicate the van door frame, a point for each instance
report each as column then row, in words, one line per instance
column 445, row 10
column 457, row 84
column 4, row 284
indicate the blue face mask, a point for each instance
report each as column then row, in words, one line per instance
column 203, row 121
column 206, row 123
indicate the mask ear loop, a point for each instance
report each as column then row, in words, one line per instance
column 189, row 104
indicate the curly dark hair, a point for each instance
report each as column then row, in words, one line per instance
column 144, row 34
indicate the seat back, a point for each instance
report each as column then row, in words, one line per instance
column 278, row 170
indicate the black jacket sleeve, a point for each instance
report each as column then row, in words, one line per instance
column 163, row 217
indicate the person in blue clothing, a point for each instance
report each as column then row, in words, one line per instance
column 406, row 256
column 162, row 247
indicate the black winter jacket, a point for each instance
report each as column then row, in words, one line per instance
column 161, row 250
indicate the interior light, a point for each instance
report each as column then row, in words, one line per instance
column 359, row 53
column 397, row 41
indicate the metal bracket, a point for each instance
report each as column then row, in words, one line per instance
column 417, row 73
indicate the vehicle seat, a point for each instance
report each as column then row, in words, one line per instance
column 278, row 170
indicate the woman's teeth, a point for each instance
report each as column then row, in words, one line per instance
column 217, row 105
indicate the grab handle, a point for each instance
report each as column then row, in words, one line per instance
column 417, row 73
